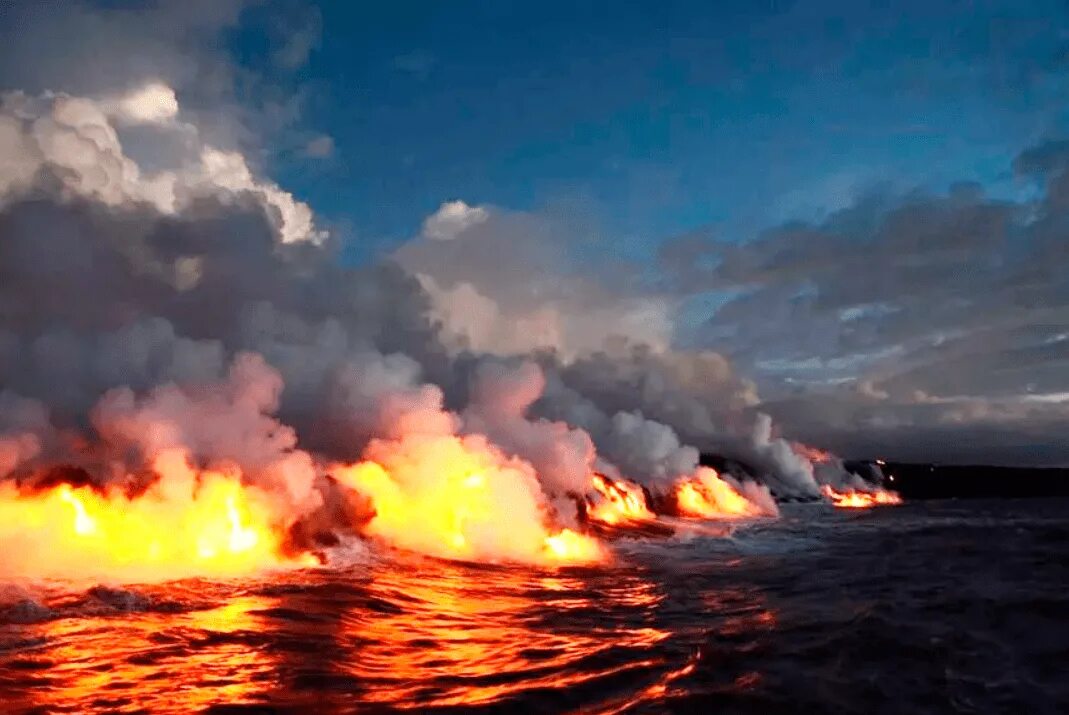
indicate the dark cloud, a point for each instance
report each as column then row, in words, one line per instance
column 94, row 49
column 933, row 325
column 89, row 298
column 86, row 49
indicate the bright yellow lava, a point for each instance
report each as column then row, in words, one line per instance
column 458, row 497
column 854, row 499
column 621, row 502
column 708, row 496
column 188, row 523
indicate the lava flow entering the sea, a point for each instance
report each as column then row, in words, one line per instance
column 858, row 499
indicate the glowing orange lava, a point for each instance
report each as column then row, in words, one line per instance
column 814, row 455
column 854, row 499
column 621, row 502
column 707, row 496
column 187, row 523
column 458, row 497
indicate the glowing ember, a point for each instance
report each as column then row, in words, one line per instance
column 621, row 502
column 854, row 499
column 459, row 497
column 708, row 496
column 187, row 523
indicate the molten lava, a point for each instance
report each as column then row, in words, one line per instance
column 814, row 455
column 187, row 523
column 621, row 502
column 855, row 499
column 707, row 495
column 459, row 497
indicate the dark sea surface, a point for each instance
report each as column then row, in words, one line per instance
column 958, row 607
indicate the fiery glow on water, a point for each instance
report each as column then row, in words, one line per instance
column 494, row 635
column 187, row 523
column 663, row 632
column 708, row 496
column 855, row 499
column 409, row 632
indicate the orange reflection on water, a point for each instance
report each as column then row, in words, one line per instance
column 486, row 640
column 154, row 661
column 417, row 633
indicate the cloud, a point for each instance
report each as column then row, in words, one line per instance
column 903, row 317
column 299, row 40
column 77, row 142
column 320, row 147
column 452, row 219
column 133, row 54
column 185, row 267
column 696, row 392
column 508, row 283
column 81, row 48
column 152, row 103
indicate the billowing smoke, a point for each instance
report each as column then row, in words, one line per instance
column 225, row 422
column 23, row 426
column 177, row 330
column 564, row 456
column 510, row 283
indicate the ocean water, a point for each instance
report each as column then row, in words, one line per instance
column 941, row 607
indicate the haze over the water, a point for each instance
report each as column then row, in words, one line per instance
column 686, row 216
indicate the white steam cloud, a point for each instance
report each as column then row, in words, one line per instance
column 176, row 315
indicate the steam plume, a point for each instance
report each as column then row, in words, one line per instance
column 186, row 362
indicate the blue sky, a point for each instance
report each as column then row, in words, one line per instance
column 655, row 120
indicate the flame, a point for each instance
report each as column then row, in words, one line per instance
column 707, row 496
column 459, row 497
column 854, row 499
column 814, row 455
column 187, row 523
column 622, row 502
column 83, row 523
column 571, row 547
